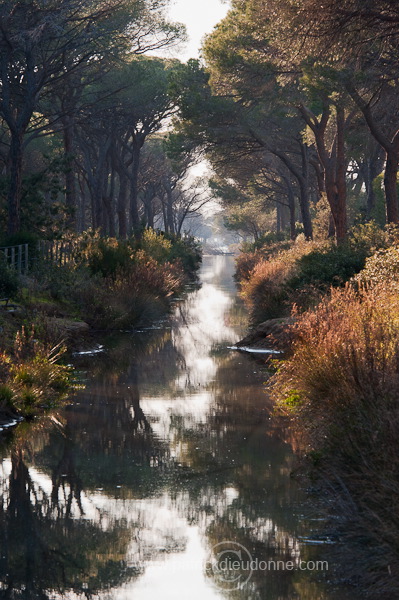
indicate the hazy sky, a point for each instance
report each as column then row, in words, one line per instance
column 199, row 16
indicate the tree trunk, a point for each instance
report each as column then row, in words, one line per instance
column 169, row 210
column 333, row 162
column 390, row 183
column 14, row 192
column 70, row 183
column 291, row 207
column 134, row 177
column 278, row 217
column 303, row 182
column 122, row 206
column 305, row 210
column 165, row 220
column 340, row 218
column 304, row 194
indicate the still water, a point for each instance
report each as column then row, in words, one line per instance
column 166, row 463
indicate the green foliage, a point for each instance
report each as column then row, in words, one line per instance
column 293, row 400
column 35, row 378
column 156, row 245
column 107, row 256
column 112, row 283
column 9, row 282
column 186, row 251
column 43, row 211
column 6, row 396
column 58, row 281
column 326, row 267
column 136, row 296
column 276, row 276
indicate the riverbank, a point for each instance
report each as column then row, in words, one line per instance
column 107, row 284
column 338, row 386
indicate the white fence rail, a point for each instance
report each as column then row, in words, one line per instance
column 17, row 257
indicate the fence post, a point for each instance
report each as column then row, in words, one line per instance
column 19, row 259
column 26, row 258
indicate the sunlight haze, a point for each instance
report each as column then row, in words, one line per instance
column 199, row 18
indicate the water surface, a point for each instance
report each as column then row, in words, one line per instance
column 168, row 453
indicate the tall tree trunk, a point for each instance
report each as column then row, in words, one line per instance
column 109, row 203
column 122, row 206
column 70, row 181
column 305, row 210
column 303, row 181
column 82, row 204
column 165, row 220
column 340, row 217
column 169, row 209
column 304, row 193
column 278, row 217
column 134, row 176
column 14, row 191
column 333, row 162
column 291, row 206
column 390, row 184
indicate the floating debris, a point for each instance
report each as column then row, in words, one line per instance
column 255, row 350
column 316, row 541
column 10, row 424
column 91, row 352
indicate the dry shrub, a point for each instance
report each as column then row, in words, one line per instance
column 264, row 290
column 381, row 267
column 245, row 264
column 135, row 297
column 141, row 295
column 341, row 389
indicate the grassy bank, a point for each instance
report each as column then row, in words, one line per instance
column 107, row 284
column 339, row 388
column 276, row 277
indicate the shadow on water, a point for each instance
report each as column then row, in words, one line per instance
column 167, row 453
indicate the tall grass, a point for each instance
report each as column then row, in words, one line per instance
column 340, row 388
column 33, row 376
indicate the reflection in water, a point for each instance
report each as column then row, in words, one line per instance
column 169, row 451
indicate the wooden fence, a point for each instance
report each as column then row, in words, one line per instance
column 17, row 257
column 59, row 252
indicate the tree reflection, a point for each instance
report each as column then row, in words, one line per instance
column 47, row 550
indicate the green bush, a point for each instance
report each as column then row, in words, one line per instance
column 156, row 245
column 59, row 281
column 9, row 282
column 188, row 252
column 332, row 266
column 106, row 256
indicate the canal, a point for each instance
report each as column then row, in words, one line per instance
column 167, row 477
